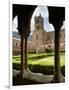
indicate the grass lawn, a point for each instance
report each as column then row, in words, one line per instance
column 41, row 63
column 44, row 64
column 49, row 60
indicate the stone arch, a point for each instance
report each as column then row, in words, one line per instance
column 55, row 18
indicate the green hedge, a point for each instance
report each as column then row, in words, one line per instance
column 32, row 52
column 62, row 51
column 47, row 70
column 36, row 56
column 40, row 56
column 49, row 50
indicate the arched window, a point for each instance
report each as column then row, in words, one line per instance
column 37, row 27
column 49, row 46
column 48, row 38
column 16, row 44
column 37, row 21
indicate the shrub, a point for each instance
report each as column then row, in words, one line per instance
column 32, row 52
column 49, row 50
column 62, row 51
column 41, row 51
column 47, row 70
column 40, row 56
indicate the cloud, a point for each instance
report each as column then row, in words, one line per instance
column 47, row 26
column 63, row 26
column 44, row 13
column 15, row 24
column 39, row 10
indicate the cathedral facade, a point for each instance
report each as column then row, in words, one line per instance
column 41, row 39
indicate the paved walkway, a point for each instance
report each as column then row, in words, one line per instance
column 38, row 77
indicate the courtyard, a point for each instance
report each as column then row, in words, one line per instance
column 39, row 67
column 38, row 63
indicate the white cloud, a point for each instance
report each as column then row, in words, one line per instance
column 15, row 24
column 63, row 26
column 44, row 13
column 39, row 10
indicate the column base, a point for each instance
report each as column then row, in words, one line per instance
column 21, row 75
column 60, row 79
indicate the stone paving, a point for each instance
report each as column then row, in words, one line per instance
column 38, row 77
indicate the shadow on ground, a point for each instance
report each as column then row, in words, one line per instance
column 21, row 81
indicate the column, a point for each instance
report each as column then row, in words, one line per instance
column 26, row 61
column 57, row 74
column 20, row 30
column 22, row 56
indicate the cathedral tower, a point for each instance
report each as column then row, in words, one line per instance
column 39, row 24
column 38, row 37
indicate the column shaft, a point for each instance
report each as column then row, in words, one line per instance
column 57, row 55
column 26, row 61
column 22, row 56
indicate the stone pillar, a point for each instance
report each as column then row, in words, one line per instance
column 23, row 28
column 26, row 33
column 20, row 30
column 22, row 56
column 26, row 61
column 57, row 74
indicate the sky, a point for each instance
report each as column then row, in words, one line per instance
column 44, row 13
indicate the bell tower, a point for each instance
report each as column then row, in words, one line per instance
column 39, row 25
column 38, row 37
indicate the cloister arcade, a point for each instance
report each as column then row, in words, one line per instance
column 56, row 17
